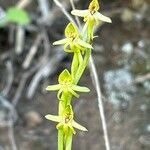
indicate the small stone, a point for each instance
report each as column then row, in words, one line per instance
column 127, row 15
column 141, row 44
column 32, row 119
column 148, row 128
column 143, row 107
column 127, row 48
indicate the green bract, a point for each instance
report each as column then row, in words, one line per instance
column 16, row 15
column 66, row 122
column 66, row 85
column 72, row 41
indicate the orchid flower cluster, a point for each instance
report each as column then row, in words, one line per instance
column 80, row 44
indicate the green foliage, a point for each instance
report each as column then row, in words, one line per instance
column 15, row 15
column 80, row 44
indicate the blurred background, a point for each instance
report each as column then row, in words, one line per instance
column 29, row 63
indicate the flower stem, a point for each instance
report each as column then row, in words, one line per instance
column 69, row 141
column 60, row 140
column 66, row 99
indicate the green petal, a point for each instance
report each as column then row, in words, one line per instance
column 78, row 126
column 65, row 76
column 73, row 93
column 84, row 44
column 80, row 88
column 59, row 94
column 101, row 17
column 53, row 87
column 17, row 15
column 71, row 30
column 60, row 42
column 80, row 13
column 54, row 118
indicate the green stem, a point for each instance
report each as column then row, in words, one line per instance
column 66, row 100
column 69, row 141
column 88, row 38
column 60, row 140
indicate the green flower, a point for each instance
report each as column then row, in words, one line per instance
column 91, row 14
column 72, row 40
column 66, row 85
column 66, row 122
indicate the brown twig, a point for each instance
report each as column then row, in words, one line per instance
column 23, row 3
column 22, row 83
column 10, row 78
column 11, row 135
column 142, row 78
column 32, row 51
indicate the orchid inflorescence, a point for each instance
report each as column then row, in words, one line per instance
column 80, row 44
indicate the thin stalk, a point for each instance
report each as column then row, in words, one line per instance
column 100, row 102
column 20, row 37
column 44, row 7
